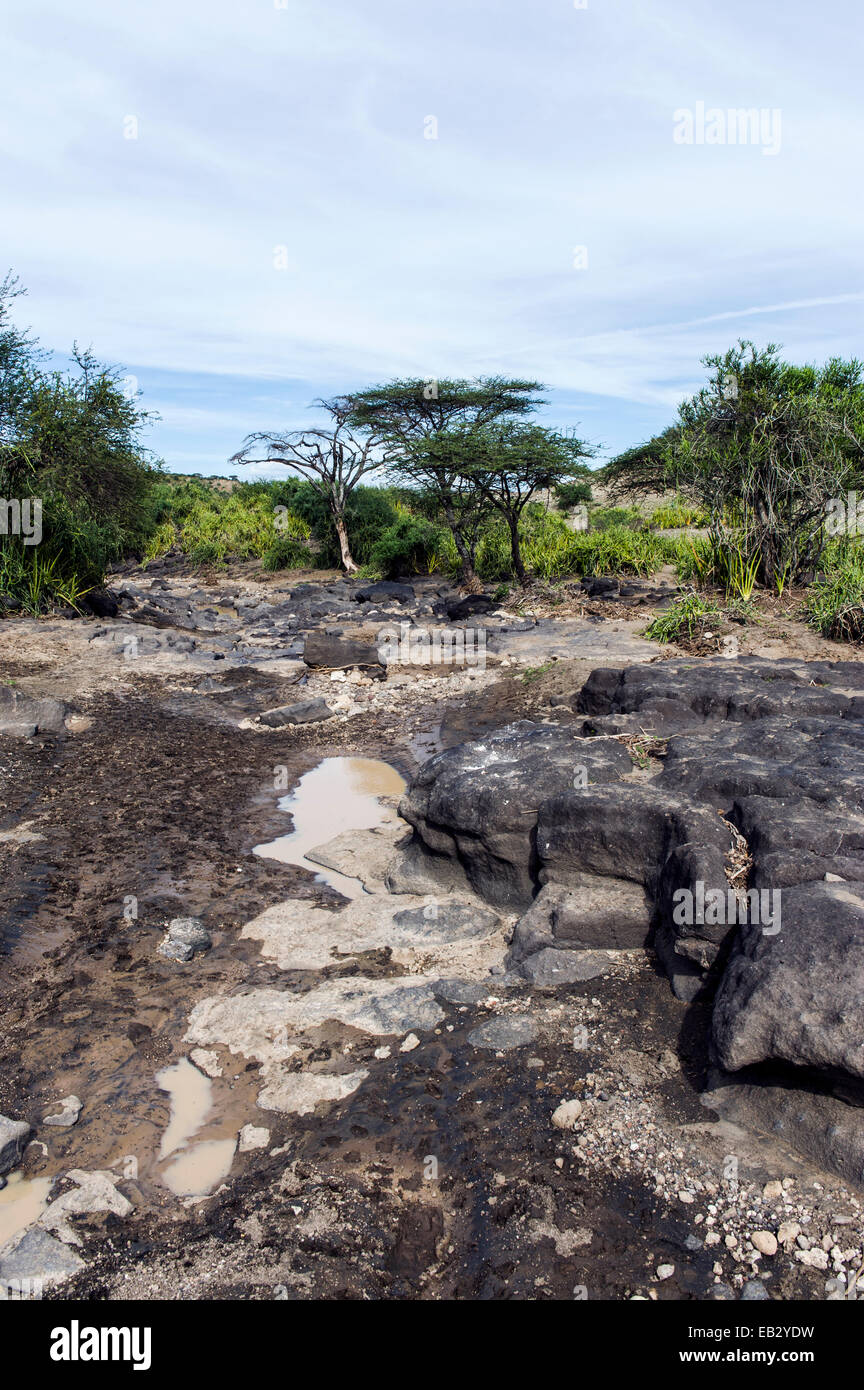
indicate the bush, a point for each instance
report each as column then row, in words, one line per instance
column 684, row 616
column 601, row 518
column 677, row 512
column 835, row 602
column 412, row 545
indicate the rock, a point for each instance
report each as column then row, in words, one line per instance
column 773, row 1191
column 22, row 716
column 304, row 712
column 364, row 854
column 665, row 1271
column 447, row 921
column 590, row 912
column 13, row 1137
column 460, row 609
column 765, row 1242
column 341, row 653
column 462, row 991
column 299, row 1092
column 186, row 937
column 102, row 602
column 477, row 804
column 409, row 1043
column 619, row 832
column 94, row 1192
column 502, row 1034
column 566, row 1114
column 813, row 1259
column 754, row 1291
column 385, row 590
column 37, row 1258
column 788, row 1232
column 68, row 1115
column 451, row 932
column 795, row 997
column 549, row 967
column 252, row 1138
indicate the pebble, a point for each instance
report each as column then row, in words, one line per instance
column 765, row 1242
column 566, row 1114
column 665, row 1271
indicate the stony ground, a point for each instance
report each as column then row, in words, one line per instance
column 503, row 1140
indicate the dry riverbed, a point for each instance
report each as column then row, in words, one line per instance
column 316, row 1088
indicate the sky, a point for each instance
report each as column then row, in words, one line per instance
column 249, row 204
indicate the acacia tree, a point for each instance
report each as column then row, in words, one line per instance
column 333, row 460
column 425, row 426
column 511, row 462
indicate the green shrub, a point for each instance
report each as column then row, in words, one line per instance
column 835, row 602
column 677, row 512
column 409, row 546
column 683, row 616
column 602, row 518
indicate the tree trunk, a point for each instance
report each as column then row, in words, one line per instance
column 516, row 551
column 467, row 574
column 342, row 532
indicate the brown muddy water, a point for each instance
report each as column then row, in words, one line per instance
column 339, row 794
column 22, row 1202
column 197, row 1168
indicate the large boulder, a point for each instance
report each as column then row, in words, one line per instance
column 477, row 805
column 341, row 653
column 625, row 831
column 795, row 996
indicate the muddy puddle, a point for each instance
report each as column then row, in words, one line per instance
column 22, row 1202
column 197, row 1168
column 339, row 794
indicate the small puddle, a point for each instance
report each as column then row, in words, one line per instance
column 191, row 1102
column 198, row 1168
column 197, row 1172
column 339, row 794
column 22, row 1202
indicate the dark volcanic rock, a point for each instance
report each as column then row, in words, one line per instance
column 463, row 608
column 625, row 831
column 749, row 688
column 340, row 653
column 385, row 590
column 796, row 996
column 305, row 712
column 478, row 804
column 605, row 912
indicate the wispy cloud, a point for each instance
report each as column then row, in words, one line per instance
column 294, row 134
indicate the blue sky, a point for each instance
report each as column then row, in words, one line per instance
column 280, row 227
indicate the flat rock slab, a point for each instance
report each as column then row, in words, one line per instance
column 340, row 653
column 549, row 967
column 38, row 1256
column 504, row 1034
column 451, row 932
column 304, row 712
column 367, row 855
column 22, row 716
